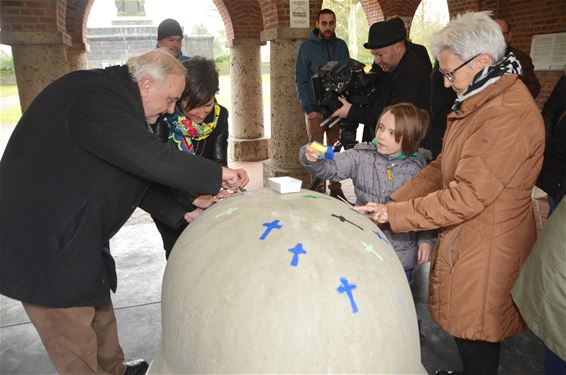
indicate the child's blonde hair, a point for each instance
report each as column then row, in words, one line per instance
column 411, row 125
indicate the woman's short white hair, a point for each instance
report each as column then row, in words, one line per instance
column 470, row 34
column 157, row 64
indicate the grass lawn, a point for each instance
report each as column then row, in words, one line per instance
column 9, row 115
column 8, row 90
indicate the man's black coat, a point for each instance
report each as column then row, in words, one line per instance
column 408, row 82
column 79, row 162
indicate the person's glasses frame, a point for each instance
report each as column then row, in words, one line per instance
column 450, row 75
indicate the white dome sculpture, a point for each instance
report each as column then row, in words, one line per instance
column 294, row 283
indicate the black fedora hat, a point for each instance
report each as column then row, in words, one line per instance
column 383, row 34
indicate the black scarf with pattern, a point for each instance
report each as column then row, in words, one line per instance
column 488, row 76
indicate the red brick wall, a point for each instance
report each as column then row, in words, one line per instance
column 373, row 11
column 38, row 15
column 77, row 16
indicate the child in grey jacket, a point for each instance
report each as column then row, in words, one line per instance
column 379, row 168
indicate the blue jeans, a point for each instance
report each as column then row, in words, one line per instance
column 409, row 274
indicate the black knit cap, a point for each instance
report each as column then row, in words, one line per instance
column 383, row 34
column 169, row 27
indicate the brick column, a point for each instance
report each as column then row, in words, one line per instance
column 39, row 59
column 288, row 131
column 247, row 142
column 77, row 56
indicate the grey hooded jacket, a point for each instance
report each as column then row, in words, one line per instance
column 368, row 170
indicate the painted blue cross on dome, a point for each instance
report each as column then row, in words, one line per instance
column 348, row 288
column 380, row 236
column 269, row 227
column 297, row 250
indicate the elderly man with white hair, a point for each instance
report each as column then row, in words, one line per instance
column 477, row 192
column 79, row 162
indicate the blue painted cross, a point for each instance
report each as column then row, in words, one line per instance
column 380, row 236
column 297, row 250
column 269, row 227
column 347, row 288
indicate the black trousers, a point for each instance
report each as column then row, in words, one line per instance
column 169, row 235
column 478, row 357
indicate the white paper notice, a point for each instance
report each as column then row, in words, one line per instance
column 299, row 12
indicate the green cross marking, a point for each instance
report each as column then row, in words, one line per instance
column 370, row 249
column 314, row 196
column 229, row 211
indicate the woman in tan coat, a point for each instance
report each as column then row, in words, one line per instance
column 478, row 192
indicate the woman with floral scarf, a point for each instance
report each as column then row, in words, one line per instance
column 199, row 126
column 477, row 192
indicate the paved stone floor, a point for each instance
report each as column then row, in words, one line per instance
column 141, row 263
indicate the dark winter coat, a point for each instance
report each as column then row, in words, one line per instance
column 77, row 165
column 313, row 54
column 408, row 82
column 552, row 177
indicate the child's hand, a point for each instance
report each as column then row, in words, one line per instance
column 311, row 154
column 191, row 216
column 423, row 254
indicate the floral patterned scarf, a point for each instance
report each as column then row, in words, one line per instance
column 183, row 131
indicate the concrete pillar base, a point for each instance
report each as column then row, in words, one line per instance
column 271, row 169
column 247, row 149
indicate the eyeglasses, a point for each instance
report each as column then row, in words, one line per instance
column 450, row 75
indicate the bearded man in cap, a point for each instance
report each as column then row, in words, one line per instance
column 170, row 37
column 406, row 78
column 321, row 47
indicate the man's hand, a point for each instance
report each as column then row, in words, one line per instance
column 314, row 115
column 233, row 179
column 223, row 194
column 342, row 112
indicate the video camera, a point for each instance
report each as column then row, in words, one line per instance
column 343, row 78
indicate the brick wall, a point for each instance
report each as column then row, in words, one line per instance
column 372, row 10
column 38, row 15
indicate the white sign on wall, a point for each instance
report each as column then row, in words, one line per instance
column 299, row 13
column 548, row 51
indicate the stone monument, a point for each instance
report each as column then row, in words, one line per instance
column 292, row 283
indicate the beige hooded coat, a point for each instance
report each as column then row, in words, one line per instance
column 478, row 192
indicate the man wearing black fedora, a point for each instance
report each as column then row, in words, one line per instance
column 406, row 78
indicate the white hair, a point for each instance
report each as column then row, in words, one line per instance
column 157, row 64
column 470, row 34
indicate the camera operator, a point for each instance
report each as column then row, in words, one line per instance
column 406, row 78
column 321, row 47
